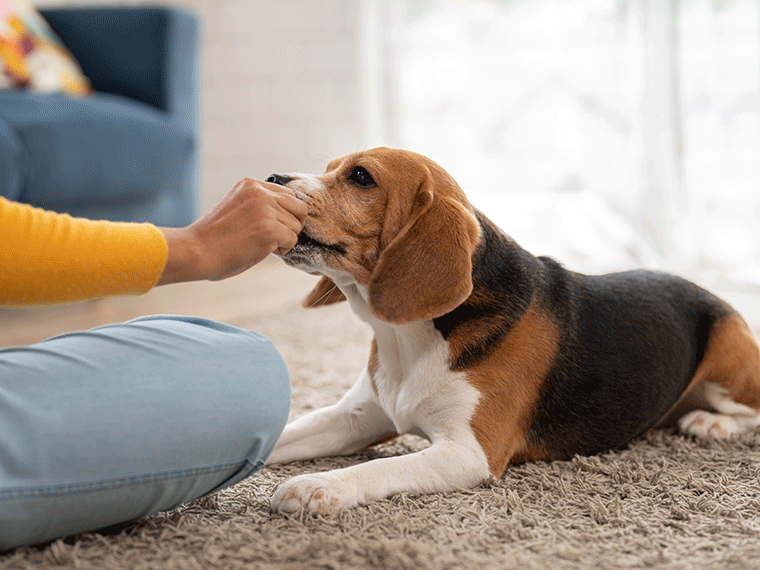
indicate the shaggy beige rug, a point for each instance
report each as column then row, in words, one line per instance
column 665, row 501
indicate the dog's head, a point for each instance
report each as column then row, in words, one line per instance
column 394, row 223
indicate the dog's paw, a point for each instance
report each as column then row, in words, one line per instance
column 320, row 493
column 701, row 423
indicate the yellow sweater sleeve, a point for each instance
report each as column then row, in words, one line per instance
column 48, row 258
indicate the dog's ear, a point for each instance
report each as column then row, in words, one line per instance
column 426, row 269
column 325, row 293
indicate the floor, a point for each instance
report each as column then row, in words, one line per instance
column 267, row 288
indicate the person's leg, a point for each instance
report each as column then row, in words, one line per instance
column 120, row 422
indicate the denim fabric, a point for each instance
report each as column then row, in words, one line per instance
column 120, row 422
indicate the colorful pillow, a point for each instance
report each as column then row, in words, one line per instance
column 31, row 55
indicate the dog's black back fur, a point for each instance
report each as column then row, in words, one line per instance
column 629, row 342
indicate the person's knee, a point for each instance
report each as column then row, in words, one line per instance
column 268, row 378
column 255, row 421
column 203, row 403
column 259, row 372
column 249, row 376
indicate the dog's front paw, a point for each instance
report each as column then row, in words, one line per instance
column 320, row 493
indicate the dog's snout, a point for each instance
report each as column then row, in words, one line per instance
column 280, row 179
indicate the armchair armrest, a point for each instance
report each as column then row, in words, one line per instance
column 147, row 54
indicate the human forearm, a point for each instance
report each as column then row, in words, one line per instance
column 253, row 220
column 48, row 258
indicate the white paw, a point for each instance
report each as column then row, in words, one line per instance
column 320, row 493
column 707, row 424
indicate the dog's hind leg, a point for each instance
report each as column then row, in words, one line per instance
column 726, row 386
column 354, row 423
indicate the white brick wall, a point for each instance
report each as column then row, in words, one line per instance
column 280, row 85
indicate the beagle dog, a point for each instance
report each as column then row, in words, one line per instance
column 494, row 355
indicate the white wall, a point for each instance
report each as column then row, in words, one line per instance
column 281, row 85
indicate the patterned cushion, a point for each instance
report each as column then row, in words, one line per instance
column 31, row 55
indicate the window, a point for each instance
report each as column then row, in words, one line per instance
column 608, row 133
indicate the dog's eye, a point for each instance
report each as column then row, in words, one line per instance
column 361, row 177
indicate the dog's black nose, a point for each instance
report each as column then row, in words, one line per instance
column 280, row 179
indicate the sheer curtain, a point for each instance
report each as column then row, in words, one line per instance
column 608, row 133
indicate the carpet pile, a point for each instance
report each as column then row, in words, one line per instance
column 665, row 501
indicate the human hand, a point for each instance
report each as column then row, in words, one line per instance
column 251, row 221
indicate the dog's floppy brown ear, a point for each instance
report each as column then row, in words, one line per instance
column 324, row 293
column 426, row 269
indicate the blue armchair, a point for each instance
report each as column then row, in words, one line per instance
column 130, row 150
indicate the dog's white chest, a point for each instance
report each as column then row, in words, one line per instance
column 415, row 387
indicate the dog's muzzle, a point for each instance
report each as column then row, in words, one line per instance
column 280, row 179
column 306, row 242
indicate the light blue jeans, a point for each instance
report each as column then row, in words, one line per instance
column 120, row 422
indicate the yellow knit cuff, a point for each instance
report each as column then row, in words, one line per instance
column 53, row 258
